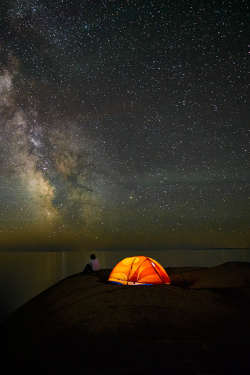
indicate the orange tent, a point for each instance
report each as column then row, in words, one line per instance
column 139, row 270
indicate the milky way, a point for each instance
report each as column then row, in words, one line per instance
column 124, row 124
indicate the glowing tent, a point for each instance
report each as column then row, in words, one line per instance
column 139, row 270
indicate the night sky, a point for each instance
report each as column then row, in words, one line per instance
column 124, row 124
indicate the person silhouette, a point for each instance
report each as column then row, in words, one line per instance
column 93, row 265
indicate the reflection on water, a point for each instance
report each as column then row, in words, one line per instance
column 23, row 275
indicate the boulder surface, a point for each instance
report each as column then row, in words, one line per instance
column 84, row 325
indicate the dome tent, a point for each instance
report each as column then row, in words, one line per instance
column 139, row 270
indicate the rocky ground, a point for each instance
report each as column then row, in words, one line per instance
column 84, row 325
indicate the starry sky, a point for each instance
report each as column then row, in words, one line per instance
column 124, row 124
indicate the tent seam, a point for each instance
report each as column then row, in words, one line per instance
column 156, row 271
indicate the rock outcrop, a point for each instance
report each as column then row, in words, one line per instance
column 85, row 325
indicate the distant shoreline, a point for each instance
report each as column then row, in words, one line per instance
column 120, row 249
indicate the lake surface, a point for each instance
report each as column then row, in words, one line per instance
column 23, row 275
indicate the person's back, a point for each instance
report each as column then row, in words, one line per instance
column 95, row 264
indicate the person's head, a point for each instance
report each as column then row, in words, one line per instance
column 92, row 256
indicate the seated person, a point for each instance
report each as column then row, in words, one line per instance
column 93, row 265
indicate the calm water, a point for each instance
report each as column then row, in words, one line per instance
column 23, row 275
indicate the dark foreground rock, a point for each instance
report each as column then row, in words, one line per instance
column 83, row 325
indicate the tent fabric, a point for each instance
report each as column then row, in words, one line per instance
column 139, row 270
